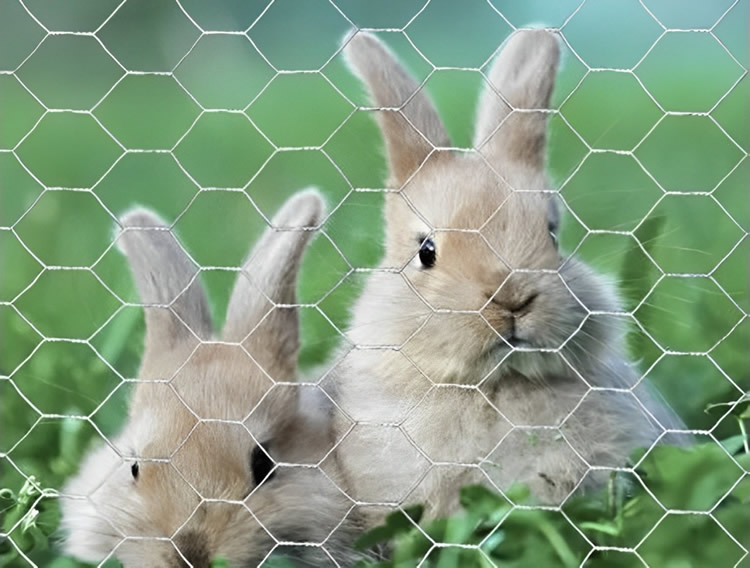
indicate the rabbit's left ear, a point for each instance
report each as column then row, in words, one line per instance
column 177, row 312
column 261, row 311
column 512, row 117
column 409, row 122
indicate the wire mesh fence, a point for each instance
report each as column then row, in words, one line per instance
column 450, row 339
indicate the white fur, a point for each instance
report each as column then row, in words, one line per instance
column 195, row 497
column 454, row 403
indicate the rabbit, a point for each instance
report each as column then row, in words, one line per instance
column 197, row 471
column 482, row 354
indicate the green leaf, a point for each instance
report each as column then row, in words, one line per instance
column 397, row 523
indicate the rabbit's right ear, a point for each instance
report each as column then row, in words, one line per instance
column 261, row 309
column 409, row 121
column 176, row 306
column 512, row 117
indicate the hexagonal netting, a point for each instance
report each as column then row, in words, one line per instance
column 519, row 335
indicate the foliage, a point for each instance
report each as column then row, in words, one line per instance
column 625, row 517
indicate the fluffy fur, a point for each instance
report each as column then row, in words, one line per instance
column 200, row 411
column 484, row 367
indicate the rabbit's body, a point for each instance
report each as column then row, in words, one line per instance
column 193, row 475
column 477, row 340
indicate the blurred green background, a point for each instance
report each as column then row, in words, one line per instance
column 81, row 142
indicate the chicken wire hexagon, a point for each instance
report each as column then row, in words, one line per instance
column 324, row 486
column 643, row 425
column 298, row 168
column 66, row 356
column 606, row 49
column 237, row 150
column 376, row 446
column 338, row 382
column 664, row 326
column 480, row 19
column 158, row 113
column 313, row 110
column 142, row 48
column 438, row 406
column 73, row 288
column 699, row 253
column 671, row 533
column 708, row 377
column 224, row 71
column 67, row 250
column 155, row 171
column 309, row 397
column 360, row 244
column 231, row 216
column 78, row 61
column 207, row 363
column 366, row 332
column 539, row 464
column 720, row 71
column 610, row 109
column 234, row 485
column 688, row 140
column 82, row 158
column 435, row 503
column 727, row 472
column 289, row 22
column 598, row 506
column 625, row 256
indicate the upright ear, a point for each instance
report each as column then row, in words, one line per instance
column 409, row 121
column 265, row 291
column 512, row 118
column 176, row 306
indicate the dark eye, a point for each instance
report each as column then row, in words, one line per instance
column 135, row 469
column 427, row 253
column 261, row 463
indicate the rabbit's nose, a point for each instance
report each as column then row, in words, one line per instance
column 523, row 306
column 516, row 306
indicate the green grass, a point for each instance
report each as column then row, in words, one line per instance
column 684, row 234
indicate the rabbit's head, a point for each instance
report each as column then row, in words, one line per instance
column 477, row 285
column 193, row 474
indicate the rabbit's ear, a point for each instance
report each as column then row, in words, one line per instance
column 512, row 117
column 409, row 121
column 167, row 283
column 265, row 291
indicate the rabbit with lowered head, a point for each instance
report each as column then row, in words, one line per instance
column 193, row 474
column 507, row 360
